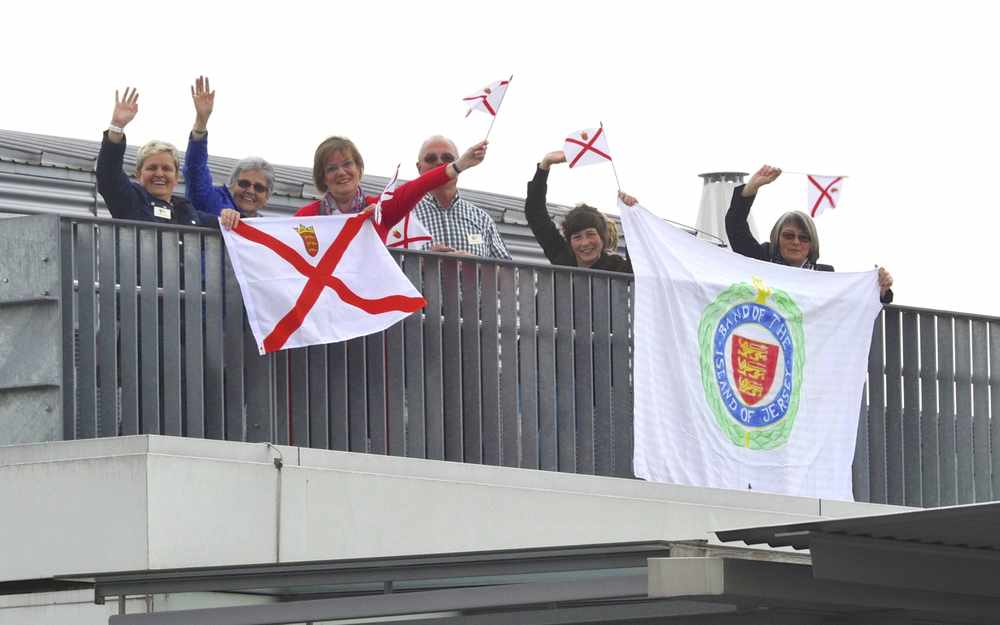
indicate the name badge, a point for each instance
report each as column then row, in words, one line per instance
column 474, row 238
column 162, row 212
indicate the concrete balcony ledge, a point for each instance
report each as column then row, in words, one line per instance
column 157, row 502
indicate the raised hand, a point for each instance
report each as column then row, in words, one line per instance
column 204, row 101
column 472, row 157
column 627, row 199
column 884, row 281
column 765, row 175
column 552, row 158
column 126, row 107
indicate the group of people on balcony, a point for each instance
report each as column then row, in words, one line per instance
column 586, row 239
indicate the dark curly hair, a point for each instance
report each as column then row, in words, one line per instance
column 583, row 217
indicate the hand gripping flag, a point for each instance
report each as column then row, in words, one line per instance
column 746, row 374
column 824, row 193
column 313, row 280
column 387, row 194
column 488, row 98
column 408, row 234
column 587, row 147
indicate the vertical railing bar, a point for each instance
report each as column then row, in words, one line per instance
column 489, row 341
column 451, row 361
column 337, row 386
column 433, row 361
column 583, row 366
column 472, row 404
column 621, row 379
column 912, row 482
column 947, row 467
column 149, row 331
column 194, row 340
column 565, row 375
column 235, row 402
column 318, row 397
column 171, row 323
column 929, row 418
column 413, row 366
column 510, row 432
column 108, row 332
column 86, row 373
column 548, row 431
column 128, row 341
column 214, row 388
column 375, row 362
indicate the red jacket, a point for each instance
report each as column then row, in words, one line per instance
column 406, row 197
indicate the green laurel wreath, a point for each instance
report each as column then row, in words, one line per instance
column 757, row 438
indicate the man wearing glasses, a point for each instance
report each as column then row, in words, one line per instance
column 456, row 225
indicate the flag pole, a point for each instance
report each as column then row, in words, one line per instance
column 805, row 173
column 494, row 120
column 613, row 168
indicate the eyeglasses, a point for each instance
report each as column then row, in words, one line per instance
column 246, row 184
column 431, row 158
column 347, row 165
column 790, row 236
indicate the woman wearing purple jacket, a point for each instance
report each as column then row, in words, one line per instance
column 250, row 183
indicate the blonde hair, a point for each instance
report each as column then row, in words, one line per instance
column 613, row 237
column 156, row 147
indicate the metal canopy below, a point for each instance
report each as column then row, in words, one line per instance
column 972, row 526
column 627, row 584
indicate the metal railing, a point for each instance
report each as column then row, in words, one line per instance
column 508, row 364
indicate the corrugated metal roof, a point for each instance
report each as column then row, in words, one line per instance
column 973, row 526
column 41, row 173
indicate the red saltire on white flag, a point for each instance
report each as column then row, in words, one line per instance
column 587, row 147
column 314, row 280
column 488, row 98
column 387, row 193
column 408, row 234
column 824, row 193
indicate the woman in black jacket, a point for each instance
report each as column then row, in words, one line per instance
column 156, row 169
column 794, row 240
column 584, row 241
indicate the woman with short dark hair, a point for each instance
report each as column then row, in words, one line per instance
column 794, row 240
column 584, row 240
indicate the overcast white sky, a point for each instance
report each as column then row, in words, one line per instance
column 900, row 96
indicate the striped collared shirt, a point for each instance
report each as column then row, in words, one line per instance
column 462, row 225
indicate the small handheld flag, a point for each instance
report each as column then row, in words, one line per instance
column 586, row 147
column 824, row 193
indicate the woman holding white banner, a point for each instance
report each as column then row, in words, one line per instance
column 794, row 240
column 584, row 241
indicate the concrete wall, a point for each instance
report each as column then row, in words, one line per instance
column 150, row 502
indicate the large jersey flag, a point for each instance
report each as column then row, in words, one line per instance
column 489, row 98
column 313, row 280
column 587, row 147
column 408, row 234
column 747, row 374
column 824, row 193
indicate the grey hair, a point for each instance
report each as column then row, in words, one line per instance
column 806, row 224
column 155, row 147
column 253, row 163
column 436, row 139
